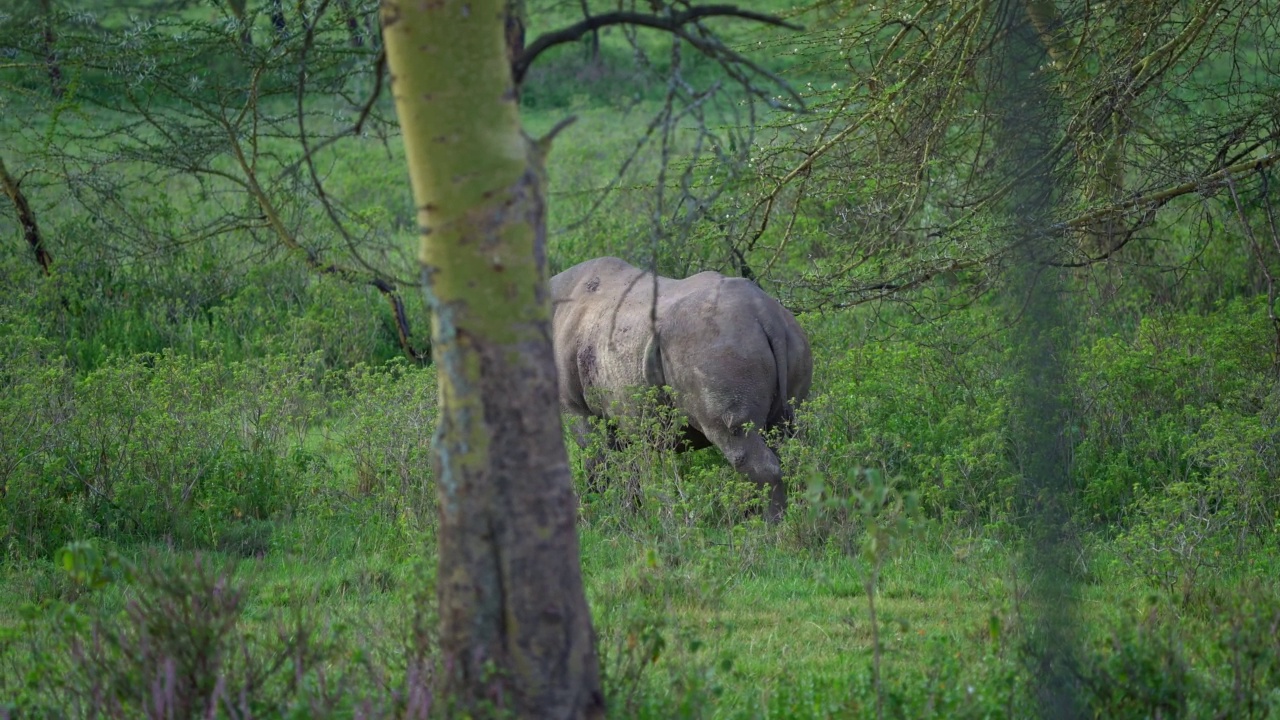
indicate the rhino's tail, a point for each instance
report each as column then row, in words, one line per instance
column 654, row 374
column 780, row 413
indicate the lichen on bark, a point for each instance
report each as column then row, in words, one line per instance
column 515, row 625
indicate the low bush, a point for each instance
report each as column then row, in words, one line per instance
column 204, row 453
column 182, row 643
column 1190, row 399
column 916, row 409
column 1224, row 663
column 387, row 418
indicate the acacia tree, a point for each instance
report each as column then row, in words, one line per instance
column 250, row 128
column 1168, row 116
column 515, row 626
column 231, row 129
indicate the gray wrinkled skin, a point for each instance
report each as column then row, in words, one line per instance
column 732, row 355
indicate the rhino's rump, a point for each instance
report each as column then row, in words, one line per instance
column 720, row 343
column 714, row 361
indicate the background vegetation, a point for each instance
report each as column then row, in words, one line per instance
column 216, row 398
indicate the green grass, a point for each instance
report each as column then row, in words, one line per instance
column 784, row 633
column 752, row 629
column 728, row 624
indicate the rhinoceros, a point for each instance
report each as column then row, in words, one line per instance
column 736, row 360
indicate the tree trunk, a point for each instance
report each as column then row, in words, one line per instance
column 355, row 34
column 515, row 626
column 277, row 17
column 26, row 218
column 56, row 84
column 1041, row 337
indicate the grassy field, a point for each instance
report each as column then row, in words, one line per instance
column 701, row 609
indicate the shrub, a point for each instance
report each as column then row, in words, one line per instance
column 642, row 475
column 1190, row 396
column 153, row 447
column 933, row 417
column 36, row 404
column 389, row 415
column 1225, row 665
column 170, row 447
column 635, row 472
column 1181, row 441
column 186, row 644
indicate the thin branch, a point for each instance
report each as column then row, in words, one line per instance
column 1162, row 197
column 26, row 218
column 1150, row 203
column 379, row 70
column 366, row 110
column 287, row 239
column 1114, row 250
column 374, row 278
column 308, row 157
column 767, row 201
column 673, row 23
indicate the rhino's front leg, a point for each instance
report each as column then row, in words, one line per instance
column 749, row 455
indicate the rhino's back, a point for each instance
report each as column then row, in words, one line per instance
column 711, row 302
column 717, row 340
column 609, row 304
column 603, row 332
column 733, row 351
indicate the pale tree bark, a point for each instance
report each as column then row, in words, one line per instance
column 515, row 626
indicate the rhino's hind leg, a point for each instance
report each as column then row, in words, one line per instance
column 749, row 455
column 593, row 462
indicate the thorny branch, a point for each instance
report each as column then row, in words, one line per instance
column 895, row 181
column 674, row 23
column 370, row 275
